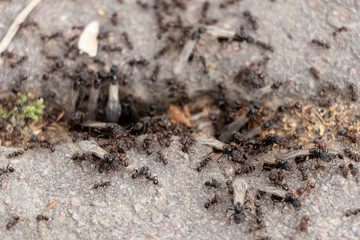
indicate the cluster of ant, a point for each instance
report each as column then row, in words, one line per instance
column 242, row 152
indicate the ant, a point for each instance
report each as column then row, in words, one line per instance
column 6, row 170
column 213, row 183
column 127, row 40
column 145, row 172
column 240, row 188
column 186, row 141
column 211, row 202
column 259, row 219
column 304, row 176
column 12, row 223
column 107, row 48
column 162, row 51
column 315, row 72
column 15, row 154
column 321, row 43
column 18, row 62
column 227, row 3
column 350, row 212
column 55, row 35
column 251, row 19
column 344, row 170
column 304, row 222
column 104, row 184
column 203, row 164
column 162, row 157
column 205, row 8
column 142, row 62
column 203, row 62
column 114, row 19
column 147, row 144
column 155, row 73
column 284, row 165
column 353, row 170
column 245, row 170
column 41, row 218
column 81, row 157
column 277, row 178
column 230, row 187
column 265, row 46
column 353, row 92
column 339, row 30
column 351, row 155
column 304, row 189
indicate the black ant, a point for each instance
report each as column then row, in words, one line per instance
column 344, row 170
column 12, row 223
column 265, row 46
column 240, row 188
column 155, row 73
column 6, row 170
column 144, row 171
column 213, row 183
column 304, row 175
column 321, row 43
column 353, row 92
column 127, row 40
column 205, row 8
column 186, row 141
column 351, row 155
column 215, row 200
column 277, row 178
column 107, row 48
column 41, row 218
column 339, row 30
column 103, row 184
column 203, row 164
column 277, row 164
column 230, row 187
column 203, row 62
column 18, row 62
column 259, row 219
column 162, row 51
column 162, row 157
column 114, row 19
column 251, row 19
column 15, row 154
column 350, row 212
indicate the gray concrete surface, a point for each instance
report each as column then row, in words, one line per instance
column 137, row 209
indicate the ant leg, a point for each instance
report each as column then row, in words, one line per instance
column 230, row 218
column 228, row 210
column 219, row 159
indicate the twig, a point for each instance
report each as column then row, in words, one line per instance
column 184, row 56
column 15, row 25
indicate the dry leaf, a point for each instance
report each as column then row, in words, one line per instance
column 88, row 41
column 176, row 115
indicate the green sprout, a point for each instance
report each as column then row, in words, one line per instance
column 33, row 111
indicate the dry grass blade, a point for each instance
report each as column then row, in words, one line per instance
column 15, row 25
